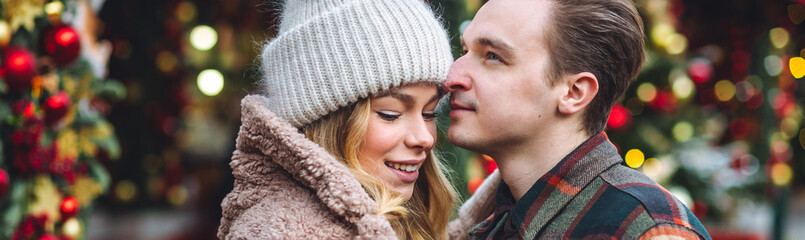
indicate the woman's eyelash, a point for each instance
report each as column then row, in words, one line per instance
column 430, row 116
column 387, row 117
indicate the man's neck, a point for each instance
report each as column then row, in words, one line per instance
column 523, row 164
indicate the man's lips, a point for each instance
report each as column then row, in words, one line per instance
column 458, row 106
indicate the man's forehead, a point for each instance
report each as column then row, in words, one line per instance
column 509, row 21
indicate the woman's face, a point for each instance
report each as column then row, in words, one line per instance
column 399, row 136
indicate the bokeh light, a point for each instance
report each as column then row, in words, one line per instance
column 802, row 138
column 676, row 43
column 781, row 174
column 618, row 117
column 166, row 61
column 744, row 91
column 682, row 86
column 700, row 70
column 72, row 228
column 773, row 64
column 125, row 190
column 652, row 168
column 210, row 82
column 724, row 90
column 634, row 158
column 796, row 13
column 797, row 66
column 779, row 37
column 683, row 131
column 186, row 11
column 203, row 37
column 660, row 32
column 682, row 194
column 646, row 92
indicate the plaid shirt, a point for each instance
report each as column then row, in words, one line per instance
column 590, row 195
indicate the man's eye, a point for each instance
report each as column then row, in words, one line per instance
column 492, row 56
column 388, row 116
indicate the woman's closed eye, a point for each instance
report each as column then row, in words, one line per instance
column 388, row 116
column 430, row 116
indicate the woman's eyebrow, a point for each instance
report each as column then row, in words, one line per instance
column 404, row 98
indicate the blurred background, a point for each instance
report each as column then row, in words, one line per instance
column 118, row 118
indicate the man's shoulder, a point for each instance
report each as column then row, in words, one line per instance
column 660, row 209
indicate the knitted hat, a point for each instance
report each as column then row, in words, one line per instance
column 331, row 53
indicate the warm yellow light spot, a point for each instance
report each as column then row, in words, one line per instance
column 659, row 32
column 682, row 131
column 682, row 87
column 125, row 190
column 788, row 127
column 177, row 195
column 797, row 66
column 646, row 92
column 186, row 11
column 773, row 64
column 210, row 82
column 779, row 37
column 676, row 43
column 166, row 61
column 652, row 168
column 724, row 90
column 781, row 174
column 72, row 228
column 203, row 37
column 634, row 158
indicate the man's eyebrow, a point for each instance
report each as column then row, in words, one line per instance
column 495, row 43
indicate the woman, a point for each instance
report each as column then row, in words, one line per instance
column 340, row 146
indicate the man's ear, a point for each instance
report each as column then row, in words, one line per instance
column 581, row 89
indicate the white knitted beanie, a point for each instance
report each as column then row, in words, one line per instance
column 331, row 53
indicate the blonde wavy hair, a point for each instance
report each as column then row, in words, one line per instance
column 426, row 214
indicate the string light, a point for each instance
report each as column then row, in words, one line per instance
column 203, row 37
column 210, row 82
column 682, row 131
column 773, row 64
column 724, row 90
column 646, row 92
column 797, row 66
column 779, row 37
column 634, row 158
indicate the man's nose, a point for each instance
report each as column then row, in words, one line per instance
column 458, row 78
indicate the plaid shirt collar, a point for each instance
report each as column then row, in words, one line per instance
column 550, row 193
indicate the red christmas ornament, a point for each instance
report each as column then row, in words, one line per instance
column 619, row 117
column 56, row 107
column 19, row 66
column 5, row 181
column 700, row 70
column 69, row 207
column 48, row 237
column 63, row 44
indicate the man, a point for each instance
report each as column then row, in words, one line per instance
column 533, row 91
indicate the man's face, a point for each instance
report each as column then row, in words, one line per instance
column 500, row 96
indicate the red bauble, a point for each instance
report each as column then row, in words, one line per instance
column 63, row 44
column 700, row 70
column 19, row 66
column 56, row 107
column 619, row 117
column 69, row 207
column 4, row 183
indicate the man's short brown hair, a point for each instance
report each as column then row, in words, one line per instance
column 603, row 37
